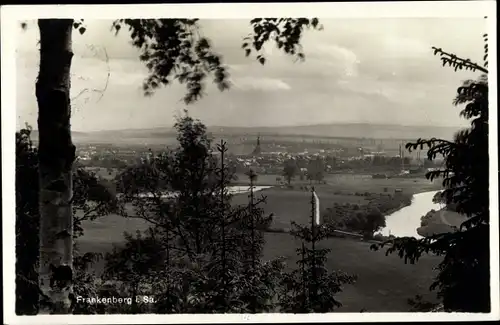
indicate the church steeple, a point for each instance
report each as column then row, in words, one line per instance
column 257, row 149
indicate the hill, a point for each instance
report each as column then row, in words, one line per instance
column 75, row 134
column 350, row 130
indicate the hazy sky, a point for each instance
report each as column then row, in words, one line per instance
column 356, row 70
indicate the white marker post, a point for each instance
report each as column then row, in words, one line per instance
column 316, row 206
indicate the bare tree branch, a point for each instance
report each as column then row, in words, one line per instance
column 94, row 90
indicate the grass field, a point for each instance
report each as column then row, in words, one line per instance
column 294, row 205
column 355, row 183
column 385, row 282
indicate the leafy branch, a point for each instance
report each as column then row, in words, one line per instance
column 286, row 33
column 174, row 49
column 459, row 63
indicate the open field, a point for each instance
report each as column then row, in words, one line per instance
column 345, row 183
column 354, row 183
column 384, row 282
column 295, row 205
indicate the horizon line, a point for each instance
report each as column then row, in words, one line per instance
column 273, row 126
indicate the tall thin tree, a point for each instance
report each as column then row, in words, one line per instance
column 311, row 288
column 222, row 149
column 56, row 155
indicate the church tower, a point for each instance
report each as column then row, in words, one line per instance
column 257, row 151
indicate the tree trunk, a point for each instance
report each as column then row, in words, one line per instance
column 56, row 156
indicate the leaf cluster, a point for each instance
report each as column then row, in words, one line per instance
column 175, row 49
column 285, row 33
column 311, row 287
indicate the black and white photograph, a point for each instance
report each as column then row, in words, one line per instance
column 337, row 161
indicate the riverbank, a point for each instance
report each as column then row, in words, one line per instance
column 401, row 206
column 367, row 217
column 440, row 221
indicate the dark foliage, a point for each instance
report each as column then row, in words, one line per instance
column 136, row 264
column 311, row 287
column 174, row 49
column 210, row 251
column 290, row 170
column 27, row 221
column 286, row 34
column 316, row 170
column 86, row 283
column 463, row 281
column 365, row 219
column 91, row 200
column 258, row 280
column 417, row 304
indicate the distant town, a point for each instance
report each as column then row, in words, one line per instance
column 268, row 155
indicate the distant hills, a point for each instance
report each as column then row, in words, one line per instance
column 348, row 130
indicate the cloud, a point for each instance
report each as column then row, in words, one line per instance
column 338, row 56
column 404, row 47
column 259, row 84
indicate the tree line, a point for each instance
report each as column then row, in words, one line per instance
column 316, row 168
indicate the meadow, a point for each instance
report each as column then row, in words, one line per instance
column 348, row 183
column 384, row 282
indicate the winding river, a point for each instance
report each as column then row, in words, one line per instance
column 405, row 221
column 401, row 223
